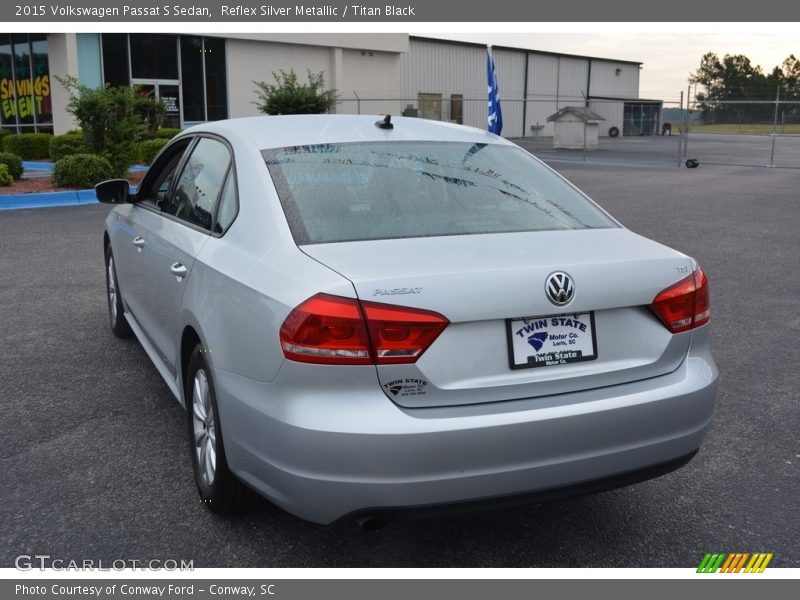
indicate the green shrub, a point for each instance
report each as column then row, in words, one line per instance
column 147, row 150
column 5, row 176
column 168, row 132
column 82, row 170
column 113, row 119
column 3, row 133
column 288, row 97
column 13, row 163
column 28, row 146
column 150, row 110
column 67, row 145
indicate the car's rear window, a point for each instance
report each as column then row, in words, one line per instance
column 385, row 190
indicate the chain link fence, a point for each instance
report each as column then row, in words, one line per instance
column 750, row 132
column 747, row 132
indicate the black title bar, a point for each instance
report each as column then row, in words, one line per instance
column 464, row 11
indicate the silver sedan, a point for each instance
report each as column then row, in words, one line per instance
column 364, row 315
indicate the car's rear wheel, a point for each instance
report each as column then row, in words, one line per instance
column 218, row 487
column 116, row 311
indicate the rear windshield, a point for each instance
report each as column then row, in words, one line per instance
column 385, row 190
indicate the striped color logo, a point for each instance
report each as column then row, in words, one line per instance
column 737, row 562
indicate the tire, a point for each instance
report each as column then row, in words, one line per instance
column 219, row 489
column 692, row 163
column 613, row 132
column 116, row 310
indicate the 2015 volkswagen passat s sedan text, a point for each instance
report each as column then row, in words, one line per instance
column 364, row 316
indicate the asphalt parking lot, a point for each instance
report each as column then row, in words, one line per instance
column 96, row 464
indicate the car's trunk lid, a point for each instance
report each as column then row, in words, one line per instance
column 481, row 282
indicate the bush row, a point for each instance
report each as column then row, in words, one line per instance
column 146, row 151
column 13, row 164
column 33, row 146
column 168, row 132
column 82, row 170
column 65, row 145
column 28, row 146
column 5, row 176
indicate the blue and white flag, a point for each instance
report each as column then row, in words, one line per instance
column 495, row 114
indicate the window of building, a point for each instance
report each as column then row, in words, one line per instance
column 216, row 82
column 457, row 108
column 430, row 106
column 22, row 76
column 8, row 114
column 153, row 56
column 116, row 68
column 194, row 106
column 40, row 67
column 162, row 62
column 25, row 103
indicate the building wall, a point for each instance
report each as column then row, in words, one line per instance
column 250, row 61
column 371, row 76
column 553, row 82
column 606, row 81
column 383, row 42
column 573, row 77
column 62, row 50
column 382, row 73
column 510, row 68
column 543, row 93
column 613, row 113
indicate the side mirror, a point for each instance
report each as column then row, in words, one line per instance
column 113, row 191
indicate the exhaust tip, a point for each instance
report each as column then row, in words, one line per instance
column 371, row 522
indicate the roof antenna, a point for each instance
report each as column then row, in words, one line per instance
column 386, row 123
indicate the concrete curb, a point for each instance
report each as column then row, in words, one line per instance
column 46, row 199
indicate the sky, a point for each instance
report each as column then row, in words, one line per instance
column 668, row 57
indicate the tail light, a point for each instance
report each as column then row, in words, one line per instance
column 684, row 305
column 334, row 330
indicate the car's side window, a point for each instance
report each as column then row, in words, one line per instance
column 200, row 183
column 161, row 186
column 228, row 204
column 157, row 183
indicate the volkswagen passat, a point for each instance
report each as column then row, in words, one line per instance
column 366, row 315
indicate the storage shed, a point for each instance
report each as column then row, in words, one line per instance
column 575, row 127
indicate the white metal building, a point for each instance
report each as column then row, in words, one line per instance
column 448, row 79
column 210, row 76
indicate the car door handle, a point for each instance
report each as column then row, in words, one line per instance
column 138, row 241
column 178, row 270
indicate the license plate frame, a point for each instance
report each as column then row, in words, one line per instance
column 555, row 356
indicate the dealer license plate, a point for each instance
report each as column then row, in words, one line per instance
column 551, row 340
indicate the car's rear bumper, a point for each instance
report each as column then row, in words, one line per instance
column 593, row 486
column 324, row 442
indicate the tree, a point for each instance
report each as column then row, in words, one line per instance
column 288, row 97
column 791, row 77
column 729, row 82
column 113, row 119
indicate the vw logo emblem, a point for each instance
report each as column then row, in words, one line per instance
column 559, row 288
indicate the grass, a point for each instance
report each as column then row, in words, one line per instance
column 756, row 128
